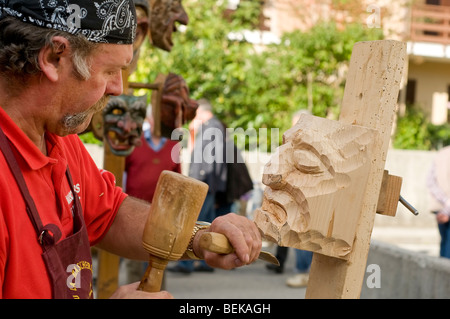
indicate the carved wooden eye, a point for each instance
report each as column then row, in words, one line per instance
column 117, row 111
column 307, row 162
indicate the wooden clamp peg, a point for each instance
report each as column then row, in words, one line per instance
column 389, row 194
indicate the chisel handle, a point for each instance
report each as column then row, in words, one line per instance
column 216, row 243
column 219, row 244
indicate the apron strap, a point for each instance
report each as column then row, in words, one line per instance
column 48, row 234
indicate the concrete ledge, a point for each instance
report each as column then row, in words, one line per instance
column 405, row 274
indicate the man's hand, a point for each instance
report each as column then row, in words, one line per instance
column 243, row 235
column 130, row 292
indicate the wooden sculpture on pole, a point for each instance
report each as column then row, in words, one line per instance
column 323, row 184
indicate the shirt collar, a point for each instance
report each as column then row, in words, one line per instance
column 148, row 138
column 25, row 147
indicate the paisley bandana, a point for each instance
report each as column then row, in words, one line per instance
column 107, row 21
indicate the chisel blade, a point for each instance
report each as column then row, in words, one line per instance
column 268, row 257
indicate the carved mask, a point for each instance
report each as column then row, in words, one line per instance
column 163, row 15
column 122, row 123
column 176, row 106
column 142, row 16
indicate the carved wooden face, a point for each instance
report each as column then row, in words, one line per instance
column 163, row 16
column 177, row 108
column 141, row 31
column 321, row 165
column 122, row 123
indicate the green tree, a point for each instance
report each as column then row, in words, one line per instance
column 250, row 88
column 416, row 132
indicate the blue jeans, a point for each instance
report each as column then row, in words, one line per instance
column 207, row 214
column 444, row 230
column 303, row 260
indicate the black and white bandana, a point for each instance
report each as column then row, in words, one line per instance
column 107, row 21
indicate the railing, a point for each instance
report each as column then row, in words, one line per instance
column 430, row 23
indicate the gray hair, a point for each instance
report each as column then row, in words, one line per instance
column 20, row 44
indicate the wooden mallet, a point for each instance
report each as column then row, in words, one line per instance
column 175, row 208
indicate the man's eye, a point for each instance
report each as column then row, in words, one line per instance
column 113, row 72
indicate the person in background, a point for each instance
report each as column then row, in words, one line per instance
column 438, row 183
column 145, row 164
column 207, row 165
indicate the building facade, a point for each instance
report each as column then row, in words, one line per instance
column 423, row 24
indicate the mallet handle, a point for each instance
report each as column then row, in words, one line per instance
column 152, row 280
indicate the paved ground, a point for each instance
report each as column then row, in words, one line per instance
column 250, row 282
column 256, row 282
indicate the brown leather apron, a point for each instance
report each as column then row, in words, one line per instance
column 69, row 261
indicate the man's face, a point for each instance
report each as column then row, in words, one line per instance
column 83, row 98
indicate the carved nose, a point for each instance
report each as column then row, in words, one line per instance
column 272, row 180
column 126, row 124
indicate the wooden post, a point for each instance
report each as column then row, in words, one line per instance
column 108, row 264
column 370, row 100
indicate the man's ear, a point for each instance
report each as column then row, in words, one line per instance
column 52, row 57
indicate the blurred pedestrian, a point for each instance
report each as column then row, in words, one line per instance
column 208, row 164
column 438, row 183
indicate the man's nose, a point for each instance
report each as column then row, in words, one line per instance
column 115, row 86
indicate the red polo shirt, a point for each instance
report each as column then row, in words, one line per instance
column 22, row 269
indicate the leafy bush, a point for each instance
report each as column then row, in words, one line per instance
column 414, row 131
column 89, row 138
